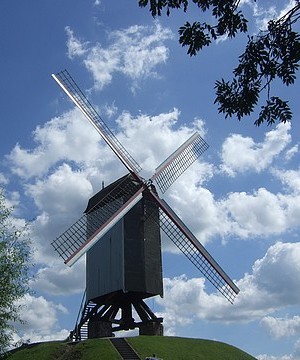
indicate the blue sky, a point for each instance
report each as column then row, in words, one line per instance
column 242, row 199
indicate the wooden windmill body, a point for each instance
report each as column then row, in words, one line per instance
column 120, row 233
column 124, row 268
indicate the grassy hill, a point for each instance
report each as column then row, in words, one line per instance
column 167, row 348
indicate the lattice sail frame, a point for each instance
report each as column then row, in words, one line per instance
column 67, row 83
column 83, row 234
column 74, row 242
column 188, row 244
column 196, row 257
column 181, row 159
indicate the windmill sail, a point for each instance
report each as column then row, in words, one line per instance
column 70, row 87
column 188, row 244
column 84, row 233
column 120, row 197
column 175, row 165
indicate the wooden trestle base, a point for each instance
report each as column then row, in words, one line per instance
column 116, row 312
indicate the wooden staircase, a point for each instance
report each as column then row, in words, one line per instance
column 124, row 349
column 81, row 328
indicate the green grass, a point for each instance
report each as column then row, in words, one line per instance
column 86, row 350
column 99, row 349
column 175, row 348
column 167, row 348
column 42, row 351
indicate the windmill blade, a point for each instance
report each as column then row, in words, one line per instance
column 86, row 231
column 183, row 238
column 179, row 161
column 66, row 82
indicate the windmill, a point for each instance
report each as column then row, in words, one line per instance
column 120, row 234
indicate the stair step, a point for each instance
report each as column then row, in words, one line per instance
column 124, row 349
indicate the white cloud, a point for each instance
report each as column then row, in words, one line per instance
column 240, row 154
column 75, row 46
column 12, row 199
column 282, row 327
column 295, row 355
column 291, row 152
column 68, row 137
column 135, row 52
column 68, row 163
column 3, row 179
column 290, row 178
column 278, row 273
column 40, row 319
column 271, row 357
column 66, row 167
column 166, row 136
column 69, row 159
column 186, row 196
column 287, row 7
column 58, row 207
column 260, row 214
column 60, row 279
column 63, row 182
column 182, row 298
column 266, row 12
column 110, row 109
column 271, row 286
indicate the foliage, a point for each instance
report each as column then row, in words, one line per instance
column 271, row 54
column 14, row 271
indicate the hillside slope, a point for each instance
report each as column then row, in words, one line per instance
column 164, row 347
column 167, row 347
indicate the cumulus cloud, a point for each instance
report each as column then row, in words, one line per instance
column 292, row 152
column 166, row 136
column 260, row 213
column 290, row 178
column 295, row 355
column 69, row 161
column 271, row 357
column 253, row 156
column 60, row 279
column 278, row 273
column 63, row 181
column 182, row 298
column 199, row 201
column 271, row 286
column 68, row 137
column 134, row 52
column 65, row 168
column 282, row 327
column 60, row 199
column 40, row 318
